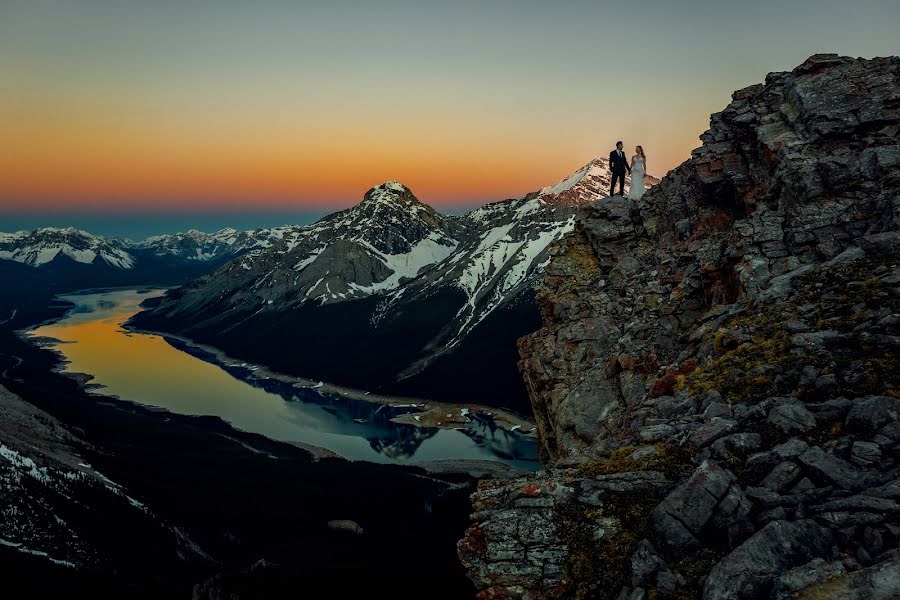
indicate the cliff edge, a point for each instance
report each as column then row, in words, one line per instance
column 716, row 379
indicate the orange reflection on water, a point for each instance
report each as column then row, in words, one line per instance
column 148, row 370
column 146, row 367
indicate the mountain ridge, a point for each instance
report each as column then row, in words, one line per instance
column 402, row 286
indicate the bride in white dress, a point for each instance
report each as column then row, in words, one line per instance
column 638, row 169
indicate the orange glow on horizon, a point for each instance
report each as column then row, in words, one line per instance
column 106, row 173
column 89, row 159
column 302, row 106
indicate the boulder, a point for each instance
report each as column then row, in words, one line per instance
column 878, row 582
column 831, row 468
column 865, row 453
column 751, row 569
column 680, row 517
column 870, row 414
column 645, row 562
column 782, row 476
column 792, row 418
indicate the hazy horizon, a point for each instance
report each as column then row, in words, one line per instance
column 137, row 226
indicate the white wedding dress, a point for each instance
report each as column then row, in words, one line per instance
column 637, row 178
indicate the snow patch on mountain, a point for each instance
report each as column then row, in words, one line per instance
column 568, row 182
column 407, row 265
column 24, row 465
column 309, row 258
column 529, row 252
column 500, row 268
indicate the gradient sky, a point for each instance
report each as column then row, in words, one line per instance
column 169, row 105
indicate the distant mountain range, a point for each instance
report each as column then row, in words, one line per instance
column 198, row 246
column 388, row 294
column 43, row 246
column 64, row 259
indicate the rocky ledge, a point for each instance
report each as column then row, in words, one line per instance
column 716, row 380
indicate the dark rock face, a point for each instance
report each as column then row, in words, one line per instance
column 735, row 333
column 818, row 579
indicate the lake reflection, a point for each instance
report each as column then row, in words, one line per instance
column 152, row 371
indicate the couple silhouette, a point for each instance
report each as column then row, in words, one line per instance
column 618, row 164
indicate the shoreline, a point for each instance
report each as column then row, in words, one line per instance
column 476, row 468
column 429, row 413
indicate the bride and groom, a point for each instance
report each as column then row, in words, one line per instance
column 618, row 163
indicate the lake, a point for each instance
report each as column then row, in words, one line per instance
column 150, row 370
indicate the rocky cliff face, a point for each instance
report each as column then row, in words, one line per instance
column 715, row 383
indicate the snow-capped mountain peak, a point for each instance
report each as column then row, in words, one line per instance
column 390, row 219
column 44, row 245
column 391, row 196
column 587, row 184
column 372, row 247
column 389, row 191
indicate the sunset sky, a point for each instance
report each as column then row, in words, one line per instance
column 132, row 106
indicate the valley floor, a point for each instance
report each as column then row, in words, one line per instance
column 227, row 512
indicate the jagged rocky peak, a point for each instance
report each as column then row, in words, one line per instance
column 391, row 192
column 391, row 199
column 715, row 383
column 391, row 220
column 64, row 234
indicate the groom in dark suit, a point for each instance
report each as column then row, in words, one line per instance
column 617, row 164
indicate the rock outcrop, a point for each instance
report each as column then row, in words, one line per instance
column 716, row 380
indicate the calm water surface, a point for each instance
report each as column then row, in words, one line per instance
column 149, row 370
